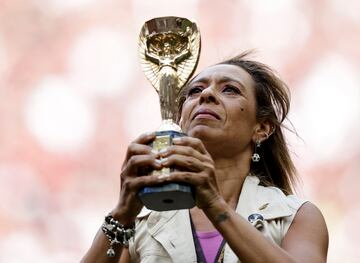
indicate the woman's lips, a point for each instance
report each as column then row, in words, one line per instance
column 206, row 114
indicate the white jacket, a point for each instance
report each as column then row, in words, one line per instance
column 167, row 236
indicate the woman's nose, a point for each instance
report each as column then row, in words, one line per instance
column 208, row 95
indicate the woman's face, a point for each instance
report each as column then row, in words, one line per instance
column 220, row 107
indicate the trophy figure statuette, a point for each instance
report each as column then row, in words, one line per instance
column 169, row 51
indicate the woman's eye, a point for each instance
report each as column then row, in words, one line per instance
column 194, row 90
column 231, row 89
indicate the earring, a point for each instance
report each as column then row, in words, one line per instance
column 256, row 157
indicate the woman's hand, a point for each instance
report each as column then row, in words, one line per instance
column 194, row 166
column 140, row 160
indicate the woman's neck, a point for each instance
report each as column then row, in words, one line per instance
column 230, row 174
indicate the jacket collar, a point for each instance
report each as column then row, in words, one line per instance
column 266, row 201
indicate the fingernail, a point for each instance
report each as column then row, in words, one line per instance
column 163, row 150
column 162, row 176
column 154, row 151
column 149, row 133
column 158, row 161
column 163, row 160
column 177, row 140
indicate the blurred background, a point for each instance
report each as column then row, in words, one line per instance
column 73, row 96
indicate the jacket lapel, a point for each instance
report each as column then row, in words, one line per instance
column 267, row 201
column 256, row 199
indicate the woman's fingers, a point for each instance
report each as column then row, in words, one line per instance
column 192, row 142
column 183, row 150
column 138, row 163
column 140, row 160
column 186, row 152
column 140, row 145
column 194, row 166
column 136, row 183
column 183, row 162
column 145, row 138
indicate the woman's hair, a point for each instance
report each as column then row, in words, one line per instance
column 275, row 167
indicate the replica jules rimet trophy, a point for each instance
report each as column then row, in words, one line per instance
column 169, row 51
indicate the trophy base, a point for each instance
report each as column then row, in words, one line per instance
column 167, row 197
column 172, row 196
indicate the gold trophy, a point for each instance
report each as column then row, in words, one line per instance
column 169, row 50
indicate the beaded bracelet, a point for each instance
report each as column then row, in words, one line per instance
column 116, row 233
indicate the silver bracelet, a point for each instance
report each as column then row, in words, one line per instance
column 116, row 233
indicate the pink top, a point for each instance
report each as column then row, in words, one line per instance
column 210, row 243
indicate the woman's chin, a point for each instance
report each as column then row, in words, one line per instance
column 202, row 132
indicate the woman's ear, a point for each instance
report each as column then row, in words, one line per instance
column 263, row 130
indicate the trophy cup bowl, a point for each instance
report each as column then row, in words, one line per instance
column 169, row 50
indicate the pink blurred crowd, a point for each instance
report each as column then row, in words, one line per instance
column 73, row 96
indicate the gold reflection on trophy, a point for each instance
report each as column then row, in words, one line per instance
column 169, row 52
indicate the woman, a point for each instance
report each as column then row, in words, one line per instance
column 236, row 158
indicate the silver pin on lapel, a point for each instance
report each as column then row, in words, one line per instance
column 257, row 221
column 255, row 217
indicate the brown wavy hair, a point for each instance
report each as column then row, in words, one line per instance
column 275, row 167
